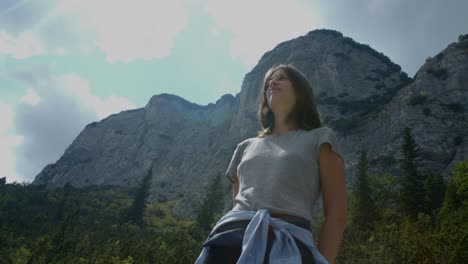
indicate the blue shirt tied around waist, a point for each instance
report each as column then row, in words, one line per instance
column 254, row 242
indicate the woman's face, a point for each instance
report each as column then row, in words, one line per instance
column 280, row 92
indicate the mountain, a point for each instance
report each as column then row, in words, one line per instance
column 360, row 93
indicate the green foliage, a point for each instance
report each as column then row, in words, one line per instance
column 413, row 195
column 345, row 124
column 462, row 37
column 457, row 190
column 384, row 160
column 455, row 107
column 211, row 205
column 385, row 191
column 363, row 212
column 342, row 55
column 372, row 79
column 440, row 73
column 397, row 238
column 417, row 99
column 426, row 111
column 452, row 222
column 405, row 238
column 68, row 225
column 457, row 140
column 158, row 216
column 136, row 211
column 434, row 186
column 366, row 106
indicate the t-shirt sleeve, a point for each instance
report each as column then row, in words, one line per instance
column 231, row 171
column 327, row 135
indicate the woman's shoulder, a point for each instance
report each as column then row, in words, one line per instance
column 318, row 134
column 319, row 130
column 245, row 143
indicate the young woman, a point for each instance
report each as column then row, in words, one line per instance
column 277, row 177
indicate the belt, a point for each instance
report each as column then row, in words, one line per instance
column 296, row 220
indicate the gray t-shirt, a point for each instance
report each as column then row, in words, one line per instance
column 281, row 172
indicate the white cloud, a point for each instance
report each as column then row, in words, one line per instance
column 31, row 97
column 77, row 87
column 25, row 45
column 129, row 30
column 53, row 111
column 124, row 30
column 7, row 144
column 258, row 26
column 60, row 51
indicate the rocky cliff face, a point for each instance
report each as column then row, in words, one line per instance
column 434, row 106
column 364, row 96
column 185, row 143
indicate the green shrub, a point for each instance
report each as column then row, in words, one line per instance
column 426, row 111
column 455, row 107
column 417, row 99
column 457, row 140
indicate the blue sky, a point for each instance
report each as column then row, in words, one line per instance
column 66, row 63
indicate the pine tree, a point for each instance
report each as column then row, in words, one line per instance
column 137, row 209
column 452, row 219
column 456, row 196
column 61, row 206
column 434, row 186
column 363, row 211
column 413, row 195
column 212, row 204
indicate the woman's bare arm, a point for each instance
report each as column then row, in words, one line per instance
column 335, row 205
column 235, row 189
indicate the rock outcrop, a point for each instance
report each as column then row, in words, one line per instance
column 360, row 93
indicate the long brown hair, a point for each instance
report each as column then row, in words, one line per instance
column 304, row 113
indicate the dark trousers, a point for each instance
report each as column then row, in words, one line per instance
column 230, row 254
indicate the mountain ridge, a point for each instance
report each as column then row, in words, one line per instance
column 360, row 93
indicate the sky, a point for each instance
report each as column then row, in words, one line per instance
column 67, row 63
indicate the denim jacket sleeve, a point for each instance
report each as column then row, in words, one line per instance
column 254, row 240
